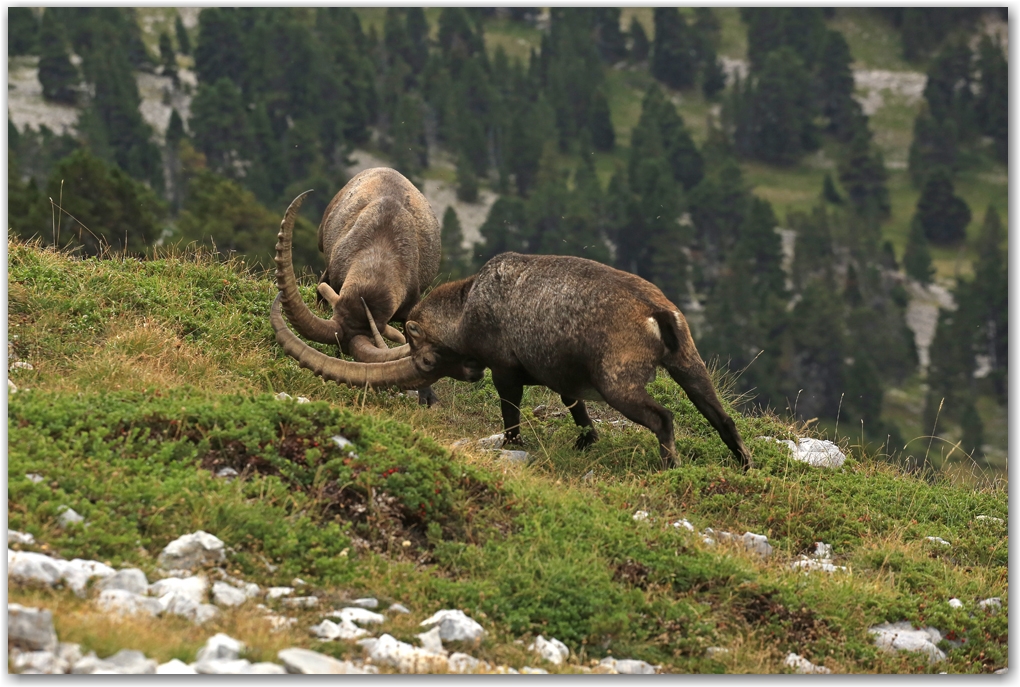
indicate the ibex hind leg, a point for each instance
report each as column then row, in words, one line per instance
column 638, row 406
column 692, row 376
column 579, row 412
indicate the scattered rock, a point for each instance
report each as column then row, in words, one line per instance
column 15, row 537
column 222, row 666
column 803, row 666
column 716, row 651
column 955, row 603
column 220, row 647
column 902, row 636
column 227, row 595
column 989, row 518
column 1000, row 671
column 28, row 566
column 175, row 667
column 399, row 608
column 68, row 516
column 30, row 629
column 34, row 478
column 810, row 564
column 685, row 524
column 815, row 452
column 627, row 666
column 491, row 442
column 588, row 476
column 298, row 582
column 552, row 650
column 454, row 625
column 822, row 550
column 302, row 399
column 20, row 365
column 430, row 641
column 130, row 580
column 406, row 658
column 131, row 662
column 345, row 629
column 301, row 601
column 123, row 602
column 463, row 663
column 227, row 473
column 938, row 540
column 307, row 662
column 515, row 456
column 192, row 551
column 277, row 592
column 283, row 396
column 639, row 516
column 992, row 604
column 41, row 662
column 11, row 387
column 342, row 442
column 193, row 588
column 357, row 614
column 366, row 602
column 528, row 670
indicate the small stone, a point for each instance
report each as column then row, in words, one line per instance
column 130, row 580
column 131, row 662
column 15, row 537
column 491, row 442
column 342, row 442
column 460, row 443
column 21, row 365
column 552, row 650
column 227, row 595
column 630, row 666
column 11, row 387
column 989, row 518
column 387, row 650
column 430, row 641
column 684, row 524
column 814, row 452
column 38, row 662
column 69, row 652
column 463, row 663
column 68, row 516
column 803, row 666
column 277, row 592
column 298, row 582
column 955, row 603
column 307, row 662
column 301, row 601
column 758, row 543
column 1000, row 671
column 639, row 516
column 35, row 478
column 992, row 604
column 193, row 588
column 356, row 614
column 713, row 652
column 588, row 476
column 302, row 399
column 220, row 647
column 283, row 396
column 264, row 668
column 175, row 667
column 938, row 540
column 398, row 608
column 30, row 629
column 191, row 551
column 902, row 636
column 205, row 613
column 454, row 625
column 221, row 666
column 528, row 670
column 367, row 602
column 227, row 473
column 822, row 550
column 515, row 456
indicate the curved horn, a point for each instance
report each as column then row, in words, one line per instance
column 379, row 343
column 400, row 373
column 393, row 335
column 307, row 323
column 363, row 351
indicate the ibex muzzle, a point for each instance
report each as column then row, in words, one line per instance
column 381, row 242
column 585, row 330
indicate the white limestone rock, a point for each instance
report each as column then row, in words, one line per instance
column 301, row 601
column 494, row 441
column 277, row 592
column 803, row 666
column 130, row 580
column 902, row 636
column 175, row 667
column 399, row 608
column 123, row 602
column 463, row 663
column 220, row 647
column 356, row 614
column 193, row 588
column 683, row 523
column 552, row 650
column 15, row 537
column 454, row 625
column 639, row 516
column 366, row 602
column 227, row 595
column 192, row 551
column 430, row 641
column 68, row 516
column 627, row 666
column 328, row 630
column 222, row 666
column 955, row 603
column 992, row 604
column 387, row 650
column 307, row 662
column 30, row 629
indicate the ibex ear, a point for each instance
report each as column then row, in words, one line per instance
column 413, row 331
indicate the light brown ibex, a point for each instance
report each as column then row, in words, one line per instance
column 585, row 330
column 381, row 243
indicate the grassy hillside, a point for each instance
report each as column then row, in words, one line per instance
column 148, row 376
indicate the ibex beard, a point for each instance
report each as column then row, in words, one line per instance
column 580, row 328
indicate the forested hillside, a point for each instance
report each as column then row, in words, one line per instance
column 823, row 192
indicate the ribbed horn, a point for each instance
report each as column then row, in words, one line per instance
column 307, row 323
column 363, row 351
column 400, row 373
column 376, row 336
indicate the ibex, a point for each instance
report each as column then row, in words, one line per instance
column 381, row 244
column 585, row 330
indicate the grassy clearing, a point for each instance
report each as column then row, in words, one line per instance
column 150, row 375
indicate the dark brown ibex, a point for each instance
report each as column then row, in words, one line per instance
column 585, row 330
column 381, row 242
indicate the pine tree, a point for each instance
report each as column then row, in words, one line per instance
column 58, row 77
column 220, row 50
column 943, row 215
column 672, row 59
column 610, row 42
column 505, row 229
column 819, row 351
column 713, row 76
column 801, row 29
column 948, row 90
column 973, row 431
column 916, row 257
column 167, row 56
column 22, row 31
column 835, row 81
column 467, row 181
column 862, row 174
column 781, row 125
column 829, row 192
column 455, row 256
column 988, row 297
column 220, row 127
column 934, row 146
column 639, row 41
column 602, row 134
column 991, row 105
column 183, row 39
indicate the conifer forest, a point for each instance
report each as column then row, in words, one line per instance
column 822, row 192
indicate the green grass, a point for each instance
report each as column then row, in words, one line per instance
column 874, row 42
column 150, row 375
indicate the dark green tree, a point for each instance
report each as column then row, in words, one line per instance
column 916, row 257
column 609, row 39
column 22, row 31
column 949, row 88
column 934, row 146
column 802, row 29
column 167, row 57
column 835, row 85
column 602, row 134
column 183, row 39
column 454, row 264
column 220, row 52
column 987, row 297
column 780, row 126
column 673, row 49
column 58, row 77
column 505, row 229
column 943, row 215
column 713, row 76
column 863, row 176
column 973, row 431
column 991, row 104
column 467, row 181
column 829, row 192
column 639, row 45
column 220, row 127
